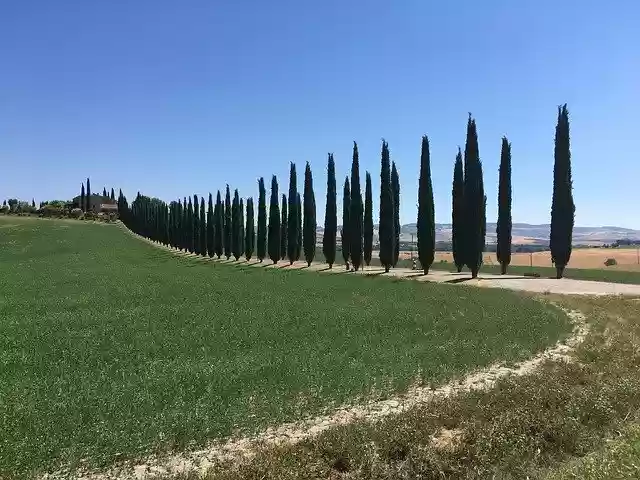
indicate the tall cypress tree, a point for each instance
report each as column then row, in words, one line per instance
column 274, row 223
column 330, row 215
column 457, row 214
column 235, row 226
column 219, row 233
column 203, row 229
column 196, row 225
column 250, row 236
column 562, row 205
column 241, row 215
column 292, row 231
column 190, row 236
column 474, row 202
column 210, row 228
column 387, row 224
column 104, row 191
column 368, row 220
column 346, row 223
column 261, row 245
column 82, row 201
column 88, row 198
column 309, row 227
column 284, row 225
column 395, row 189
column 185, row 225
column 356, row 214
column 113, row 197
column 299, row 212
column 228, row 227
column 503, row 226
column 426, row 211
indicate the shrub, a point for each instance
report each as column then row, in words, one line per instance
column 610, row 262
column 76, row 213
column 51, row 211
column 4, row 209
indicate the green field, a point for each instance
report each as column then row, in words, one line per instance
column 111, row 348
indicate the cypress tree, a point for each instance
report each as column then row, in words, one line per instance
column 346, row 223
column 241, row 215
column 82, row 201
column 562, row 205
column 88, row 198
column 457, row 214
column 330, row 215
column 219, row 234
column 228, row 227
column 196, row 225
column 274, row 223
column 113, row 197
column 356, row 214
column 185, row 225
column 249, row 238
column 299, row 213
column 292, row 232
column 189, row 234
column 104, row 192
column 203, row 229
column 503, row 226
column 395, row 189
column 309, row 227
column 210, row 228
column 262, row 221
column 426, row 211
column 235, row 226
column 474, row 202
column 387, row 223
column 368, row 220
column 283, row 228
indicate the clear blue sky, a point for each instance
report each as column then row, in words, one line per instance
column 179, row 97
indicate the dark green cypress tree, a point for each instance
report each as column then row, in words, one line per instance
column 474, row 202
column 228, row 227
column 104, row 191
column 190, row 236
column 292, row 232
column 241, row 215
column 299, row 212
column 113, row 197
column 395, row 189
column 330, row 215
column 274, row 223
column 457, row 214
column 562, row 206
column 284, row 226
column 235, row 226
column 203, row 229
column 196, row 225
column 503, row 226
column 368, row 220
column 185, row 225
column 356, row 214
column 426, row 224
column 261, row 241
column 210, row 228
column 309, row 227
column 88, row 198
column 82, row 199
column 346, row 223
column 219, row 233
column 250, row 236
column 387, row 224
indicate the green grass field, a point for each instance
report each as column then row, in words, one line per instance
column 111, row 348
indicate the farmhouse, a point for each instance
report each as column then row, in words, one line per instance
column 97, row 203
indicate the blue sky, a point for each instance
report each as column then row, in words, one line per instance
column 179, row 97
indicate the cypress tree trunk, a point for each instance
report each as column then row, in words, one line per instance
column 474, row 202
column 88, row 198
column 395, row 189
column 82, row 200
column 228, row 225
column 274, row 223
column 346, row 223
column 386, row 229
column 330, row 216
column 210, row 228
column 562, row 205
column 196, row 225
column 355, row 217
column 249, row 232
column 299, row 213
column 503, row 226
column 368, row 220
column 235, row 225
column 262, row 221
column 457, row 220
column 309, row 227
column 292, row 231
column 426, row 211
column 284, row 225
column 203, row 229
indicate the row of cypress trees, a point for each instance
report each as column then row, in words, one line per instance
column 290, row 229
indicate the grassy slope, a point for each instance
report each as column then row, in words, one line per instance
column 108, row 345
